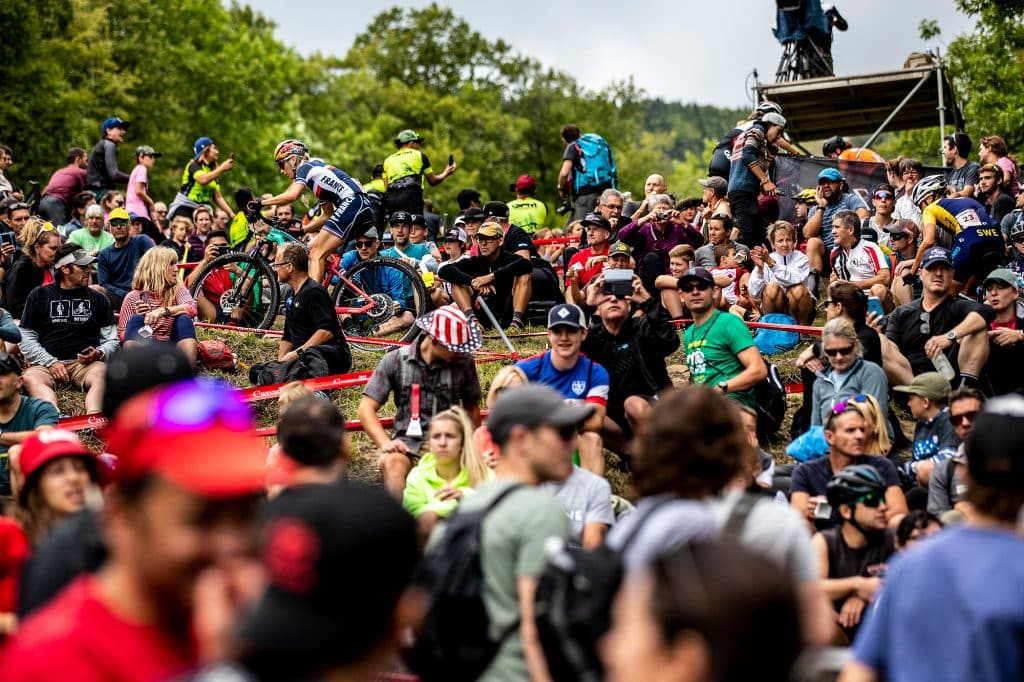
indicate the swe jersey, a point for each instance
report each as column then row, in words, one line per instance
column 586, row 382
column 328, row 183
column 954, row 215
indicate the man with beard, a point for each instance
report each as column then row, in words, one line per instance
column 831, row 199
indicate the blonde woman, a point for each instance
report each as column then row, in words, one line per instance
column 507, row 377
column 450, row 469
column 876, row 427
column 158, row 306
column 34, row 267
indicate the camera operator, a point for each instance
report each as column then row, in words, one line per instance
column 632, row 349
column 653, row 235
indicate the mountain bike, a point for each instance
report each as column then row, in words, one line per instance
column 246, row 293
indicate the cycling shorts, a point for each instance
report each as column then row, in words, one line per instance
column 352, row 218
column 977, row 251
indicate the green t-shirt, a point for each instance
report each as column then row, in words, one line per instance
column 528, row 213
column 92, row 245
column 712, row 349
column 32, row 413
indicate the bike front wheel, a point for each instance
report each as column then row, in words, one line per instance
column 397, row 293
column 237, row 289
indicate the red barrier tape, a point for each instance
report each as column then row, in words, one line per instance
column 556, row 240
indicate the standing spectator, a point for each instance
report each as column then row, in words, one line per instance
column 309, row 319
column 526, row 211
column 576, row 377
column 947, row 486
column 571, row 187
column 427, row 377
column 199, row 183
column 912, row 635
column 35, row 265
column 64, row 184
column 182, row 504
column 116, row 263
column 6, row 161
column 535, row 431
column 92, row 237
column 653, row 235
column 19, row 415
column 406, row 170
column 935, row 439
column 68, row 331
column 832, row 195
column 852, row 557
column 849, row 376
column 714, row 198
column 633, row 349
column 859, row 261
column 720, row 351
column 993, row 149
column 1005, row 366
column 779, row 279
column 137, row 198
column 102, row 173
column 911, row 171
column 963, row 179
column 749, row 176
column 159, row 306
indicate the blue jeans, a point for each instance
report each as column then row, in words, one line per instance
column 182, row 329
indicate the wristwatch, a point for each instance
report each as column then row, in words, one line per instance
column 951, row 335
column 167, row 311
column 723, row 386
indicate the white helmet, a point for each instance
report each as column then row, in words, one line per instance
column 933, row 184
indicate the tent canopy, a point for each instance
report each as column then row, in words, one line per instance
column 818, row 108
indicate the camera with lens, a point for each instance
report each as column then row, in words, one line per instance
column 564, row 207
column 222, row 249
column 663, row 215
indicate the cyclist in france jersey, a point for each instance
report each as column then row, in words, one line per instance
column 346, row 213
column 961, row 225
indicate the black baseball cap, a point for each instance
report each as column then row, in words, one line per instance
column 138, row 368
column 338, row 558
column 10, row 364
column 597, row 220
column 400, row 217
column 418, row 219
column 534, row 405
column 698, row 274
column 474, row 214
column 496, row 209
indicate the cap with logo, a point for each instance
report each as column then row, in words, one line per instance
column 452, row 329
column 524, row 183
column 400, row 217
column 113, row 122
column 77, row 257
column 618, row 249
column 567, row 315
column 418, row 219
column 42, row 447
column 146, row 150
column 697, row 275
column 489, row 231
column 597, row 220
column 455, row 234
column 830, row 175
column 10, row 364
column 931, row 385
column 936, row 255
column 200, row 145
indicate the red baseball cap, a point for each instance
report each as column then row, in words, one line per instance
column 525, row 183
column 198, row 434
column 45, row 446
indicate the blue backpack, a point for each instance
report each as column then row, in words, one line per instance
column 772, row 341
column 595, row 168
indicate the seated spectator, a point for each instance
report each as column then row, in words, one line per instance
column 588, row 504
column 92, row 237
column 507, row 377
column 178, row 239
column 779, row 279
column 68, row 331
column 35, row 265
column 680, row 258
column 917, row 525
column 387, row 281
column 844, row 433
column 883, row 200
column 202, row 218
column 653, row 235
column 544, row 284
column 911, row 172
column 852, row 557
column 449, row 469
column 905, row 287
column 117, row 262
column 876, row 426
column 631, row 336
column 159, row 307
column 217, row 282
column 859, row 261
column 427, row 377
column 310, row 322
column 312, row 445
column 832, row 195
column 500, row 277
column 1005, row 366
column 80, row 203
column 947, row 487
column 718, row 227
column 418, row 235
column 733, row 281
column 588, row 262
column 935, row 439
column 849, row 374
column 19, row 415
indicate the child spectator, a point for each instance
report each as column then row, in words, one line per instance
column 732, row 279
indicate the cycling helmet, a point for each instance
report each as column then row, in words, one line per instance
column 1017, row 229
column 768, row 106
column 806, row 196
column 290, row 148
column 933, row 184
column 772, row 118
column 836, row 143
column 853, row 483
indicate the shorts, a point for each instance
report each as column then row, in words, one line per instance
column 616, row 411
column 977, row 251
column 353, row 217
column 76, row 373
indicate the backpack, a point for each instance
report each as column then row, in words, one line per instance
column 215, row 354
column 454, row 642
column 770, row 395
column 595, row 168
column 772, row 341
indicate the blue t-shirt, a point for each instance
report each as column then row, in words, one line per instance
column 326, row 182
column 587, row 381
column 848, row 202
column 116, row 267
column 415, row 251
column 813, row 477
column 380, row 280
column 952, row 608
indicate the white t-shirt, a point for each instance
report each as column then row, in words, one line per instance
column 862, row 262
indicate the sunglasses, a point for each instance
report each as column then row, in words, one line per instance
column 873, row 500
column 959, row 419
column 18, row 206
column 118, row 222
column 883, row 195
column 363, row 244
column 690, row 287
column 836, row 352
column 926, row 327
column 898, row 236
column 1018, row 240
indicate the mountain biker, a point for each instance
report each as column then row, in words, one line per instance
column 350, row 214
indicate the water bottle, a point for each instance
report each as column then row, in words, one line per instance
column 943, row 367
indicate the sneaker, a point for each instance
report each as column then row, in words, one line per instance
column 516, row 327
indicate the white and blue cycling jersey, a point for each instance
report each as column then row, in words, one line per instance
column 327, row 182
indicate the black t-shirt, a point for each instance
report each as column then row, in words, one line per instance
column 905, row 327
column 21, row 279
column 307, row 311
column 866, row 562
column 517, row 239
column 506, row 267
column 67, row 321
column 812, row 478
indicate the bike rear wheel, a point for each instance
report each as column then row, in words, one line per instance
column 252, row 298
column 398, row 294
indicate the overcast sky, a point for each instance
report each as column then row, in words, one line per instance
column 685, row 51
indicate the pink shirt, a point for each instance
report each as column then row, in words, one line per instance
column 133, row 204
column 1009, row 166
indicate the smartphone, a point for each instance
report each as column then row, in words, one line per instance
column 146, row 332
column 451, row 159
column 231, row 156
column 875, row 306
column 823, row 510
column 6, row 238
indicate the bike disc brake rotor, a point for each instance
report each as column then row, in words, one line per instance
column 383, row 308
column 228, row 301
